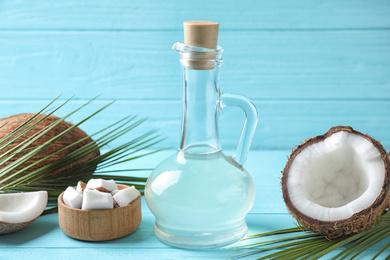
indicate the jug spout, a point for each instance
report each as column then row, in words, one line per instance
column 201, row 99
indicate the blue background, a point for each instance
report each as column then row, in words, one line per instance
column 307, row 66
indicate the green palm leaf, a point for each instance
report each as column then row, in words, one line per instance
column 298, row 243
column 18, row 176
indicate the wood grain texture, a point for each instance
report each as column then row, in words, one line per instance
column 48, row 233
column 144, row 254
column 140, row 65
column 142, row 244
column 169, row 14
column 44, row 238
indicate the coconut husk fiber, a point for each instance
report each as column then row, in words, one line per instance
column 13, row 122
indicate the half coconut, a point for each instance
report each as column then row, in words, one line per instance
column 18, row 210
column 337, row 184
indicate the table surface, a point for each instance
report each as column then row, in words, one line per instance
column 44, row 239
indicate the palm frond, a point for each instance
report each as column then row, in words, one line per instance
column 18, row 176
column 298, row 243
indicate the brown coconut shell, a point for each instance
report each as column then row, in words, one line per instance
column 6, row 228
column 13, row 122
column 358, row 222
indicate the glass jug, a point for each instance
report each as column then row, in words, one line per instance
column 200, row 196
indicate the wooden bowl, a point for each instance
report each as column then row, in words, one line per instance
column 100, row 225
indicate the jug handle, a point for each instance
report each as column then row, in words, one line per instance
column 250, row 123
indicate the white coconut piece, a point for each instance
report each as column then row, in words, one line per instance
column 114, row 192
column 93, row 199
column 109, row 185
column 125, row 196
column 22, row 207
column 72, row 198
column 81, row 187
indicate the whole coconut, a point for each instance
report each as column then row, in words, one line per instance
column 13, row 122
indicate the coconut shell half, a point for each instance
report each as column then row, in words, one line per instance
column 6, row 228
column 303, row 192
column 18, row 210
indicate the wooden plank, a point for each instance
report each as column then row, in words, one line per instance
column 148, row 253
column 118, row 253
column 46, row 232
column 163, row 254
column 282, row 124
column 44, row 238
column 169, row 14
column 141, row 65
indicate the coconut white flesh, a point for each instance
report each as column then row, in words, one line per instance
column 72, row 198
column 96, row 183
column 336, row 178
column 93, row 199
column 22, row 207
column 125, row 196
column 114, row 192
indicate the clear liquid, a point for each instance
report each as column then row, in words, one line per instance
column 199, row 200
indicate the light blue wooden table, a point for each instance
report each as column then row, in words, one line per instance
column 44, row 239
column 307, row 66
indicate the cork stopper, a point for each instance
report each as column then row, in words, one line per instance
column 201, row 34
